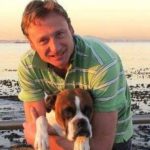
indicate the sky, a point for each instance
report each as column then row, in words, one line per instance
column 107, row 19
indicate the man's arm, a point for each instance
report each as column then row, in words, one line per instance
column 103, row 124
column 104, row 129
column 39, row 106
column 32, row 111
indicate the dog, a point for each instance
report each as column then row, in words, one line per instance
column 69, row 113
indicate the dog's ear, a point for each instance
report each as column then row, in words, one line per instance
column 50, row 102
column 90, row 93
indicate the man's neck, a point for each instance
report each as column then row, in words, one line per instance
column 59, row 71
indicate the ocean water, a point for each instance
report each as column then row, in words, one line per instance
column 136, row 61
column 10, row 54
column 133, row 55
column 135, row 58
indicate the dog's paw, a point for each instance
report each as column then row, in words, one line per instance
column 41, row 142
column 41, row 137
column 81, row 143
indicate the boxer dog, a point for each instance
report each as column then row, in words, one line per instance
column 70, row 117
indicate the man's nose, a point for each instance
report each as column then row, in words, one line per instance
column 55, row 46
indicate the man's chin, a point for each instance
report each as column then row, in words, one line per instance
column 61, row 66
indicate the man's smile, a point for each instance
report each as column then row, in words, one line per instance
column 57, row 56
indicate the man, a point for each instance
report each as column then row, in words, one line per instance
column 60, row 59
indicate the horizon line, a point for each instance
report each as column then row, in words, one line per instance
column 103, row 39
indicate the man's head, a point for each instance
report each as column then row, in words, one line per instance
column 38, row 9
column 48, row 28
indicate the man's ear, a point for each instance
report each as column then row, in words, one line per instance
column 31, row 44
column 71, row 29
column 50, row 102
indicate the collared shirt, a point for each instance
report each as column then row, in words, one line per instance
column 93, row 66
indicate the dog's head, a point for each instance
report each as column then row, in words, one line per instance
column 73, row 110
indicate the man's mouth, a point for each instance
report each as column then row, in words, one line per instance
column 57, row 56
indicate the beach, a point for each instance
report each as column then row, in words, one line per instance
column 137, row 70
column 11, row 109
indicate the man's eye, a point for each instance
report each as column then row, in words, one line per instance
column 60, row 35
column 43, row 41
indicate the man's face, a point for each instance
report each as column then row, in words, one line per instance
column 52, row 38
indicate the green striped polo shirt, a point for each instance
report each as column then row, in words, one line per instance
column 93, row 66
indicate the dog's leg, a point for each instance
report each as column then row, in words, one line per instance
column 54, row 128
column 41, row 137
column 81, row 143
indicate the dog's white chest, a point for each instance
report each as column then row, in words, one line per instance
column 52, row 121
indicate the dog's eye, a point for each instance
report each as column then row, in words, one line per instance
column 68, row 112
column 87, row 111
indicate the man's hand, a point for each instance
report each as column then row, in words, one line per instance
column 32, row 111
column 30, row 127
column 104, row 129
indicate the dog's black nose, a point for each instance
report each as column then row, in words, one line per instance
column 81, row 123
column 81, row 128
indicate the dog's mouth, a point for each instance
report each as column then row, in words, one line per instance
column 82, row 132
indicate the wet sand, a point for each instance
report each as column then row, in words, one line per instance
column 11, row 109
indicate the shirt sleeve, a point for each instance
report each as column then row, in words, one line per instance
column 109, row 87
column 30, row 91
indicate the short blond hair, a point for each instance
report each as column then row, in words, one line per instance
column 38, row 9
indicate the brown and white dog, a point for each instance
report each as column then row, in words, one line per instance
column 70, row 117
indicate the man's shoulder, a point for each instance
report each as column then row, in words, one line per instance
column 94, row 44
column 87, row 44
column 28, row 55
column 96, row 49
column 89, row 40
column 31, row 57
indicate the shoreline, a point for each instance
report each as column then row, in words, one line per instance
column 139, row 84
column 10, row 97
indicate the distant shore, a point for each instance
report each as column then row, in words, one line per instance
column 103, row 39
column 10, row 97
column 13, row 41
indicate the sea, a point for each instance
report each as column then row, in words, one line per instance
column 135, row 58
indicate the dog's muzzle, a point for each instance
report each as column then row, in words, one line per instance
column 81, row 127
